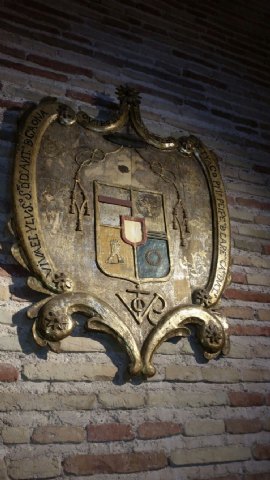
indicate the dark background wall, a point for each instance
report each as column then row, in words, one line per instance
column 202, row 68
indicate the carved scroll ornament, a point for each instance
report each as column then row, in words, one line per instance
column 129, row 229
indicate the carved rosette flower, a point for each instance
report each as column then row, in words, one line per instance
column 128, row 94
column 201, row 297
column 213, row 339
column 54, row 326
column 213, row 334
column 66, row 115
column 62, row 282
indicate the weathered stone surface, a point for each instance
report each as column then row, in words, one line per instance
column 45, row 402
column 203, row 374
column 121, row 400
column 198, row 456
column 35, row 467
column 59, row 434
column 6, row 316
column 250, row 231
column 66, row 372
column 80, row 344
column 240, row 214
column 263, row 315
column 253, row 261
column 258, row 279
column 182, row 373
column 16, row 434
column 198, row 427
column 10, row 344
column 4, row 293
column 3, row 470
column 198, row 399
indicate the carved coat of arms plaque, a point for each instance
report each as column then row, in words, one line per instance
column 121, row 225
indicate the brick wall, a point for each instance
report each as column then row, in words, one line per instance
column 202, row 68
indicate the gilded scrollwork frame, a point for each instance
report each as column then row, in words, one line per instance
column 31, row 250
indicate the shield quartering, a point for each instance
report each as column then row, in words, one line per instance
column 131, row 233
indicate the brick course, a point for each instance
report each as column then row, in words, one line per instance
column 115, row 463
column 148, row 430
column 109, row 432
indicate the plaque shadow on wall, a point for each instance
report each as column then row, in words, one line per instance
column 125, row 227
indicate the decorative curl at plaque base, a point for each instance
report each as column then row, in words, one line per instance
column 55, row 322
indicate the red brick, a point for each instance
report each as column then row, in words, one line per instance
column 230, row 200
column 91, row 99
column 204, row 79
column 246, row 399
column 149, row 9
column 33, row 71
column 262, row 219
column 243, row 313
column 13, row 52
column 83, row 97
column 109, row 432
column 266, row 249
column 261, row 169
column 234, row 118
column 254, row 476
column 239, row 277
column 149, row 430
column 248, row 202
column 8, row 373
column 10, row 104
column 247, row 295
column 199, row 60
column 60, row 66
column 56, row 42
column 249, row 330
column 48, row 19
column 261, row 451
column 77, row 38
column 243, row 425
column 31, row 23
column 53, row 11
column 115, row 463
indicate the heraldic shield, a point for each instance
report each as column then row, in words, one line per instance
column 131, row 234
column 123, row 226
